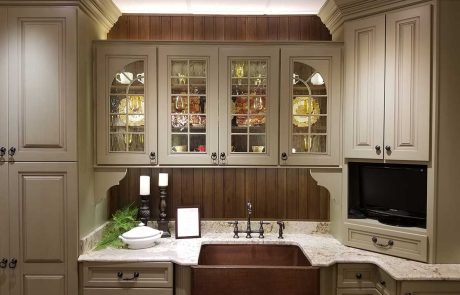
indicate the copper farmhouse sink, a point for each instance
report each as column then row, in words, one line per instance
column 253, row 269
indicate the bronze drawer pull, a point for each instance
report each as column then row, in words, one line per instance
column 134, row 277
column 359, row 276
column 3, row 263
column 390, row 243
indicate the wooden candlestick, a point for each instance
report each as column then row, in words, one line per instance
column 144, row 209
column 163, row 222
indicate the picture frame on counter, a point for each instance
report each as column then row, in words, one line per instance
column 188, row 222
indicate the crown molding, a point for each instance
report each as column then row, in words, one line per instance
column 105, row 12
column 335, row 12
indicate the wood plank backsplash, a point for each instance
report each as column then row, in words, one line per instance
column 219, row 27
column 276, row 193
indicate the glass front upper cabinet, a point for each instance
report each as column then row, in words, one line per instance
column 310, row 106
column 188, row 100
column 249, row 106
column 126, row 105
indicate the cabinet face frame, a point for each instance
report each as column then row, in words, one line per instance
column 4, row 226
column 32, row 100
column 57, row 271
column 408, row 84
column 326, row 60
column 201, row 52
column 226, row 55
column 109, row 60
column 364, row 99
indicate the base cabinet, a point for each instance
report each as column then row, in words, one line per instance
column 430, row 288
column 127, row 291
column 358, row 292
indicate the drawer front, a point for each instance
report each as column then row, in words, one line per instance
column 364, row 291
column 150, row 275
column 356, row 276
column 127, row 291
column 384, row 283
column 407, row 245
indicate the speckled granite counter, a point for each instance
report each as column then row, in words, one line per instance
column 321, row 249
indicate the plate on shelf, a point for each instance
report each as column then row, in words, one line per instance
column 302, row 107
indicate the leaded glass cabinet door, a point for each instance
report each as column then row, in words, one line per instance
column 188, row 105
column 310, row 105
column 248, row 111
column 126, row 105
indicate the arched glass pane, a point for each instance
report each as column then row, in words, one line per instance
column 309, row 110
column 127, row 109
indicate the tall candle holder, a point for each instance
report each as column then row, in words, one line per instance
column 163, row 222
column 144, row 192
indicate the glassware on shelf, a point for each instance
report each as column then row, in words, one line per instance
column 179, row 103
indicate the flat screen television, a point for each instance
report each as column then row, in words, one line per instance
column 391, row 193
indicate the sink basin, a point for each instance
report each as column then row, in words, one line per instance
column 253, row 269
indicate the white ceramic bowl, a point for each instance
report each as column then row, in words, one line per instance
column 141, row 243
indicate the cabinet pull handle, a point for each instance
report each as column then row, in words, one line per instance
column 377, row 148
column 13, row 263
column 389, row 244
column 2, row 151
column 153, row 156
column 223, row 156
column 134, row 277
column 12, row 151
column 359, row 276
column 383, row 283
column 388, row 148
column 284, row 156
column 3, row 263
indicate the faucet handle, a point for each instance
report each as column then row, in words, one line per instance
column 282, row 226
column 235, row 228
column 261, row 229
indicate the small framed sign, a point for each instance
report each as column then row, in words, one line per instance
column 188, row 223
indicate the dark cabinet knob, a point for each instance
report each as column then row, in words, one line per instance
column 383, row 283
column 377, row 148
column 3, row 263
column 284, row 156
column 388, row 148
column 134, row 277
column 214, row 156
column 153, row 156
column 223, row 156
column 359, row 276
column 2, row 151
column 12, row 151
column 13, row 263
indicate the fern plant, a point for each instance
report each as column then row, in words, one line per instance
column 122, row 221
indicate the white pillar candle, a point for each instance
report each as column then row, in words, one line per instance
column 163, row 179
column 144, row 189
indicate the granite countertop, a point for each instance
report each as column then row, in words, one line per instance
column 321, row 249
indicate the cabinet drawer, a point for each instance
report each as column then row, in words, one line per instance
column 384, row 283
column 127, row 291
column 402, row 244
column 364, row 291
column 151, row 275
column 356, row 276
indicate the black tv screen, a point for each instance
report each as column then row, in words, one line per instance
column 389, row 192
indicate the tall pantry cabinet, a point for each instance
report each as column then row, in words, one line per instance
column 38, row 149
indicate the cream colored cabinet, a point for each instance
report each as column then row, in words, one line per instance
column 430, row 288
column 387, row 86
column 41, row 75
column 358, row 292
column 365, row 279
column 155, row 278
column 188, row 104
column 38, row 214
column 126, row 104
column 3, row 83
column 248, row 110
column 310, row 105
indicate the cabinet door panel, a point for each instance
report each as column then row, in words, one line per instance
column 43, row 202
column 44, row 285
column 363, row 291
column 3, row 80
column 408, row 84
column 248, row 108
column 128, row 291
column 4, row 226
column 430, row 288
column 310, row 105
column 364, row 87
column 42, row 83
column 189, row 104
column 126, row 104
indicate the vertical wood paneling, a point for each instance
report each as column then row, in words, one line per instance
column 276, row 193
column 244, row 28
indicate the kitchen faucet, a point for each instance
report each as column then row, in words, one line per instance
column 248, row 230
